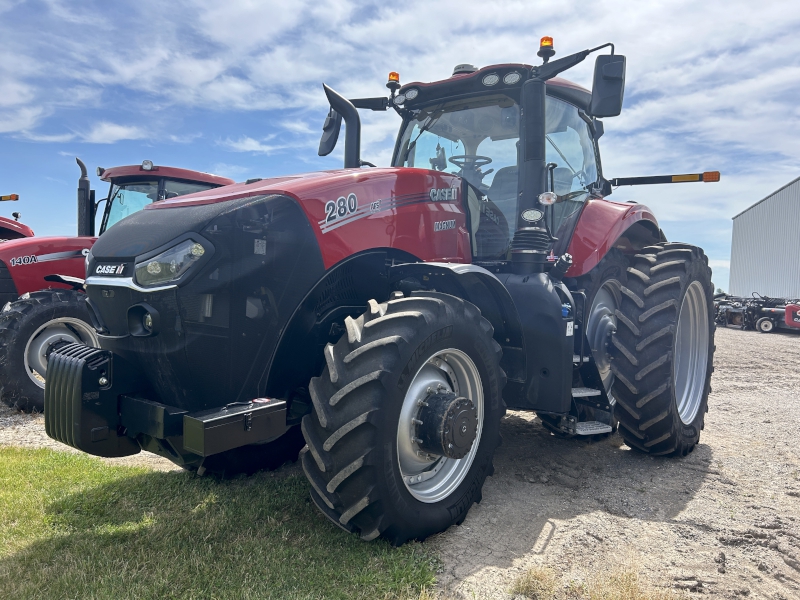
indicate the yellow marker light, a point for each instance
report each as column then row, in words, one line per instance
column 9, row 198
column 546, row 41
column 394, row 76
column 685, row 178
column 711, row 176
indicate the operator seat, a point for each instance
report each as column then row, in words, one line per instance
column 503, row 192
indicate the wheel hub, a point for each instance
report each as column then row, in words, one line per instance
column 447, row 425
column 601, row 325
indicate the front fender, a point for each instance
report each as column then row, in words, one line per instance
column 474, row 284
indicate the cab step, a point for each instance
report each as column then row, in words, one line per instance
column 583, row 392
column 591, row 428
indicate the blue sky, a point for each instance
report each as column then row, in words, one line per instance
column 234, row 88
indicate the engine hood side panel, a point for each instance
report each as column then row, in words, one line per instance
column 29, row 260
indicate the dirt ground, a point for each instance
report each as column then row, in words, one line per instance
column 723, row 522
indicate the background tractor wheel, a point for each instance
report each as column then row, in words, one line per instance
column 30, row 329
column 406, row 418
column 664, row 348
column 765, row 325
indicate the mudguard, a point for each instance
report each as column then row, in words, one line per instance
column 603, row 225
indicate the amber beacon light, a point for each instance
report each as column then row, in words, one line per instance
column 546, row 49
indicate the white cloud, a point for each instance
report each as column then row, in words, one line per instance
column 49, row 138
column 108, row 133
column 232, row 171
column 248, row 144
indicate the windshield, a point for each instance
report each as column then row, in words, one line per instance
column 478, row 139
column 128, row 198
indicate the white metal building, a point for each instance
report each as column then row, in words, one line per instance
column 765, row 251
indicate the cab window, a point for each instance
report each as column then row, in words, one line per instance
column 568, row 145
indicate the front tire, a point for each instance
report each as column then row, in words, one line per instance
column 664, row 349
column 30, row 329
column 366, row 472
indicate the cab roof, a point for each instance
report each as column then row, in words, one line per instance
column 472, row 83
column 136, row 171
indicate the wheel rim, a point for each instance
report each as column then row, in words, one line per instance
column 427, row 477
column 766, row 326
column 691, row 353
column 601, row 325
column 58, row 331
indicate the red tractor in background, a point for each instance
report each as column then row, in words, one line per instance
column 391, row 315
column 41, row 279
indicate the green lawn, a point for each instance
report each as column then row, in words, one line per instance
column 74, row 527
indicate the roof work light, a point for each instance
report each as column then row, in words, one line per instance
column 394, row 81
column 546, row 49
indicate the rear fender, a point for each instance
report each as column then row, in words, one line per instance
column 604, row 225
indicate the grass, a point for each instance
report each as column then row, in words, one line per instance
column 74, row 527
column 542, row 583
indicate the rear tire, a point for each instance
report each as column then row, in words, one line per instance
column 765, row 325
column 29, row 329
column 664, row 349
column 356, row 442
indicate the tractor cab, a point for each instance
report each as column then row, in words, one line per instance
column 134, row 187
column 470, row 126
column 13, row 229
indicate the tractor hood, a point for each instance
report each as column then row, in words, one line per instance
column 342, row 208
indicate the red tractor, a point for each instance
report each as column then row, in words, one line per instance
column 41, row 279
column 392, row 315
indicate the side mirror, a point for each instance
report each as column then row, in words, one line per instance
column 608, row 87
column 330, row 133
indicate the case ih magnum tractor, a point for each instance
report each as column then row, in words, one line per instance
column 41, row 279
column 393, row 314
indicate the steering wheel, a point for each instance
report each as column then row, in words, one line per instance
column 471, row 161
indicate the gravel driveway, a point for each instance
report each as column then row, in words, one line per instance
column 722, row 522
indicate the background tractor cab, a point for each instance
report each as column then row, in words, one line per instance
column 12, row 229
column 41, row 278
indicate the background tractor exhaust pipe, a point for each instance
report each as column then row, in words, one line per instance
column 85, row 203
column 352, row 137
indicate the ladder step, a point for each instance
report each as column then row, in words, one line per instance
column 584, row 392
column 592, row 428
column 576, row 358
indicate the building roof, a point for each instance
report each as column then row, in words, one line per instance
column 793, row 181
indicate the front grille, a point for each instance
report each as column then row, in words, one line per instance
column 8, row 291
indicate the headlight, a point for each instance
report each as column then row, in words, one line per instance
column 170, row 265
